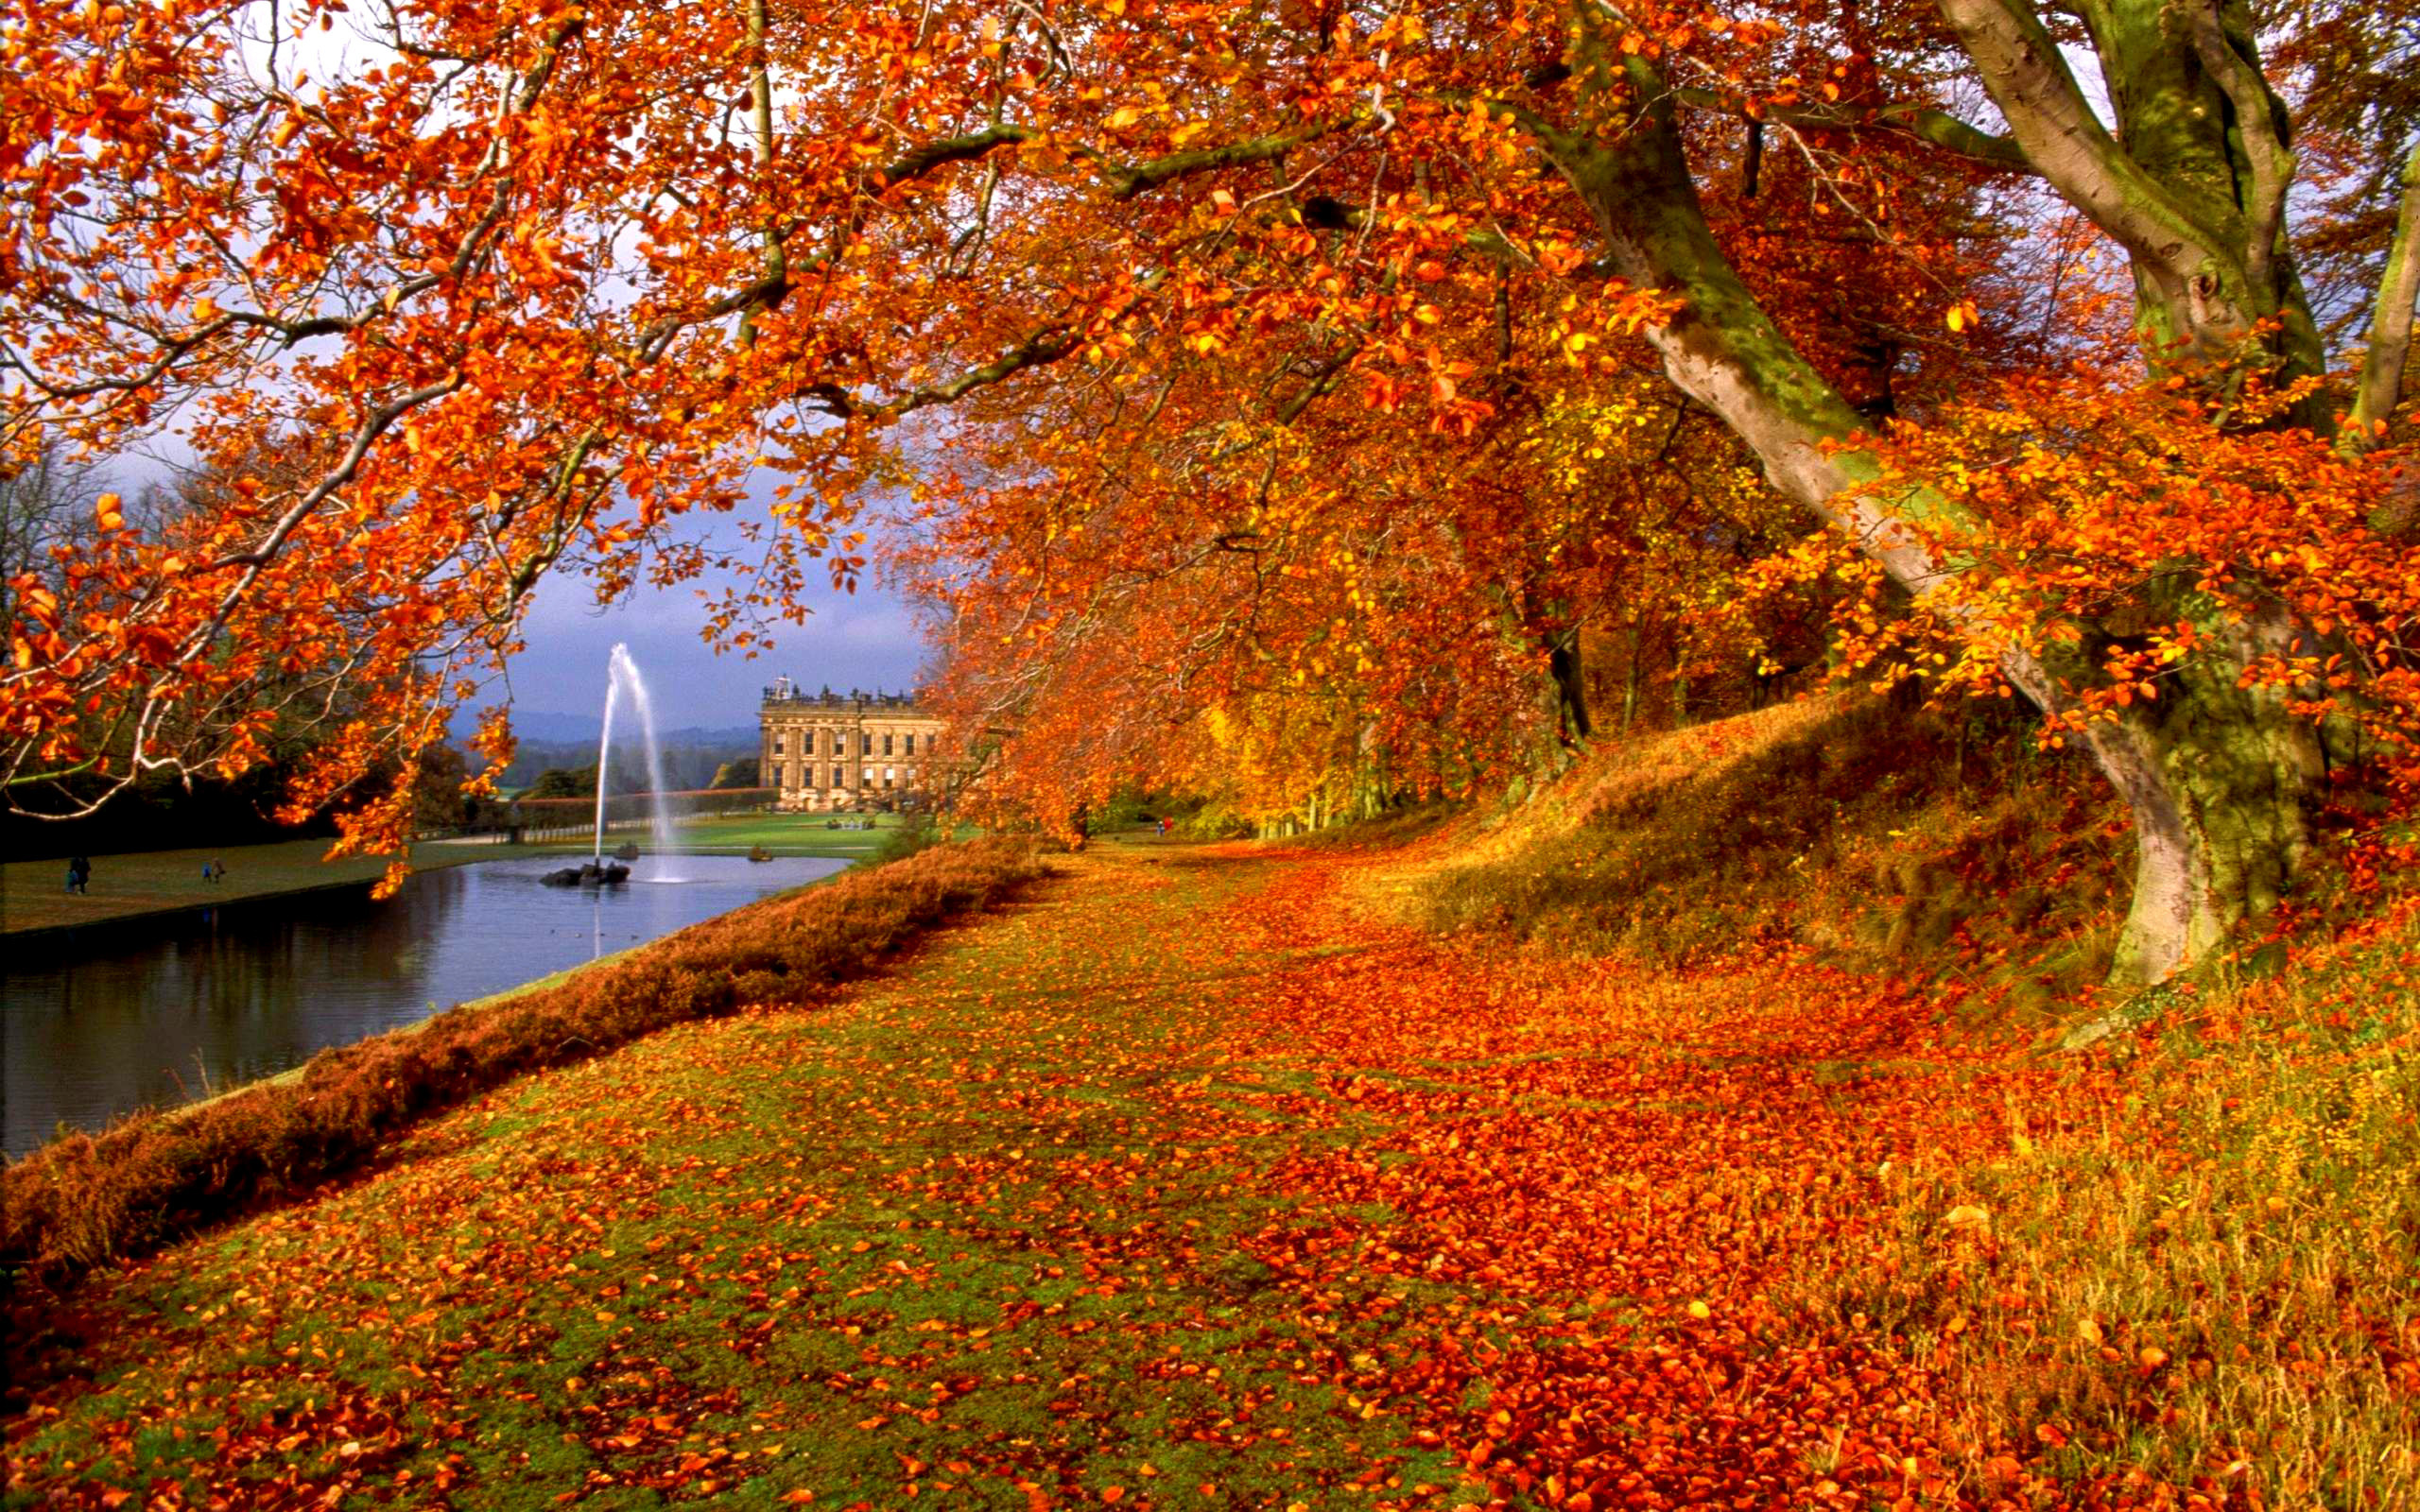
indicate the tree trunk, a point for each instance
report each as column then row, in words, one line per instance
column 2217, row 778
column 1570, row 685
column 1630, row 677
column 2382, row 384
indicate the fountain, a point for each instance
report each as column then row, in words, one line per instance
column 626, row 672
column 623, row 673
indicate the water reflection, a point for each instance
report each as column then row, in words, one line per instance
column 151, row 1012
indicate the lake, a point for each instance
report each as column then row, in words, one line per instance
column 154, row 1011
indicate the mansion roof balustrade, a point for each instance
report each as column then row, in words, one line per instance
column 787, row 694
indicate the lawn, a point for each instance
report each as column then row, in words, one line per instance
column 787, row 835
column 33, row 896
column 954, row 1237
column 33, row 893
column 1187, row 1184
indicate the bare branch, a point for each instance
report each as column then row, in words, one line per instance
column 1939, row 127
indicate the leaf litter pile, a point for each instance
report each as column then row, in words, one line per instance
column 1180, row 1185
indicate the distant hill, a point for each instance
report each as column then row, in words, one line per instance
column 546, row 726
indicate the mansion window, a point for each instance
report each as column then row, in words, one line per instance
column 911, row 746
column 777, row 745
column 837, row 775
column 868, row 777
column 886, row 745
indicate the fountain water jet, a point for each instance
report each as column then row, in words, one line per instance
column 623, row 673
column 605, row 750
column 626, row 672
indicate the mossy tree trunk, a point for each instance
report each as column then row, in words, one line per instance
column 2219, row 778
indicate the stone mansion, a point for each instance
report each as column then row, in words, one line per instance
column 827, row 751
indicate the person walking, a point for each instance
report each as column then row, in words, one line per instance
column 79, row 872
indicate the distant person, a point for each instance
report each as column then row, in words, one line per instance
column 79, row 872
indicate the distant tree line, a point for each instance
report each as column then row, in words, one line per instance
column 687, row 767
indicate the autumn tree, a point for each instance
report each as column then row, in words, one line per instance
column 540, row 282
column 45, row 514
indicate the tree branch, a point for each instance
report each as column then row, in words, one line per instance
column 1139, row 179
column 2272, row 162
column 1939, row 127
column 2055, row 127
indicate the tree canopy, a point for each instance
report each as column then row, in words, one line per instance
column 1281, row 386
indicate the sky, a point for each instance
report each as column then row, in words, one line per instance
column 866, row 640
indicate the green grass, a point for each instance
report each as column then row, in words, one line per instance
column 966, row 1234
column 33, row 893
column 33, row 896
column 786, row 834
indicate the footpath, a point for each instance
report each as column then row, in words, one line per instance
column 1181, row 1183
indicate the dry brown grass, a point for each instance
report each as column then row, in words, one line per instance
column 86, row 1200
column 1890, row 838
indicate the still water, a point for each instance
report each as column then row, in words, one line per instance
column 152, row 1011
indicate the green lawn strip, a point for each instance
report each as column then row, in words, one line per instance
column 944, row 1236
column 33, row 895
column 786, row 834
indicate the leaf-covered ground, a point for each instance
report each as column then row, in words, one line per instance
column 1181, row 1184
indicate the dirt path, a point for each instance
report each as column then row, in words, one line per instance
column 1182, row 1184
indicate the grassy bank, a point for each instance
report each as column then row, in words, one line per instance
column 1886, row 840
column 88, row 1200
